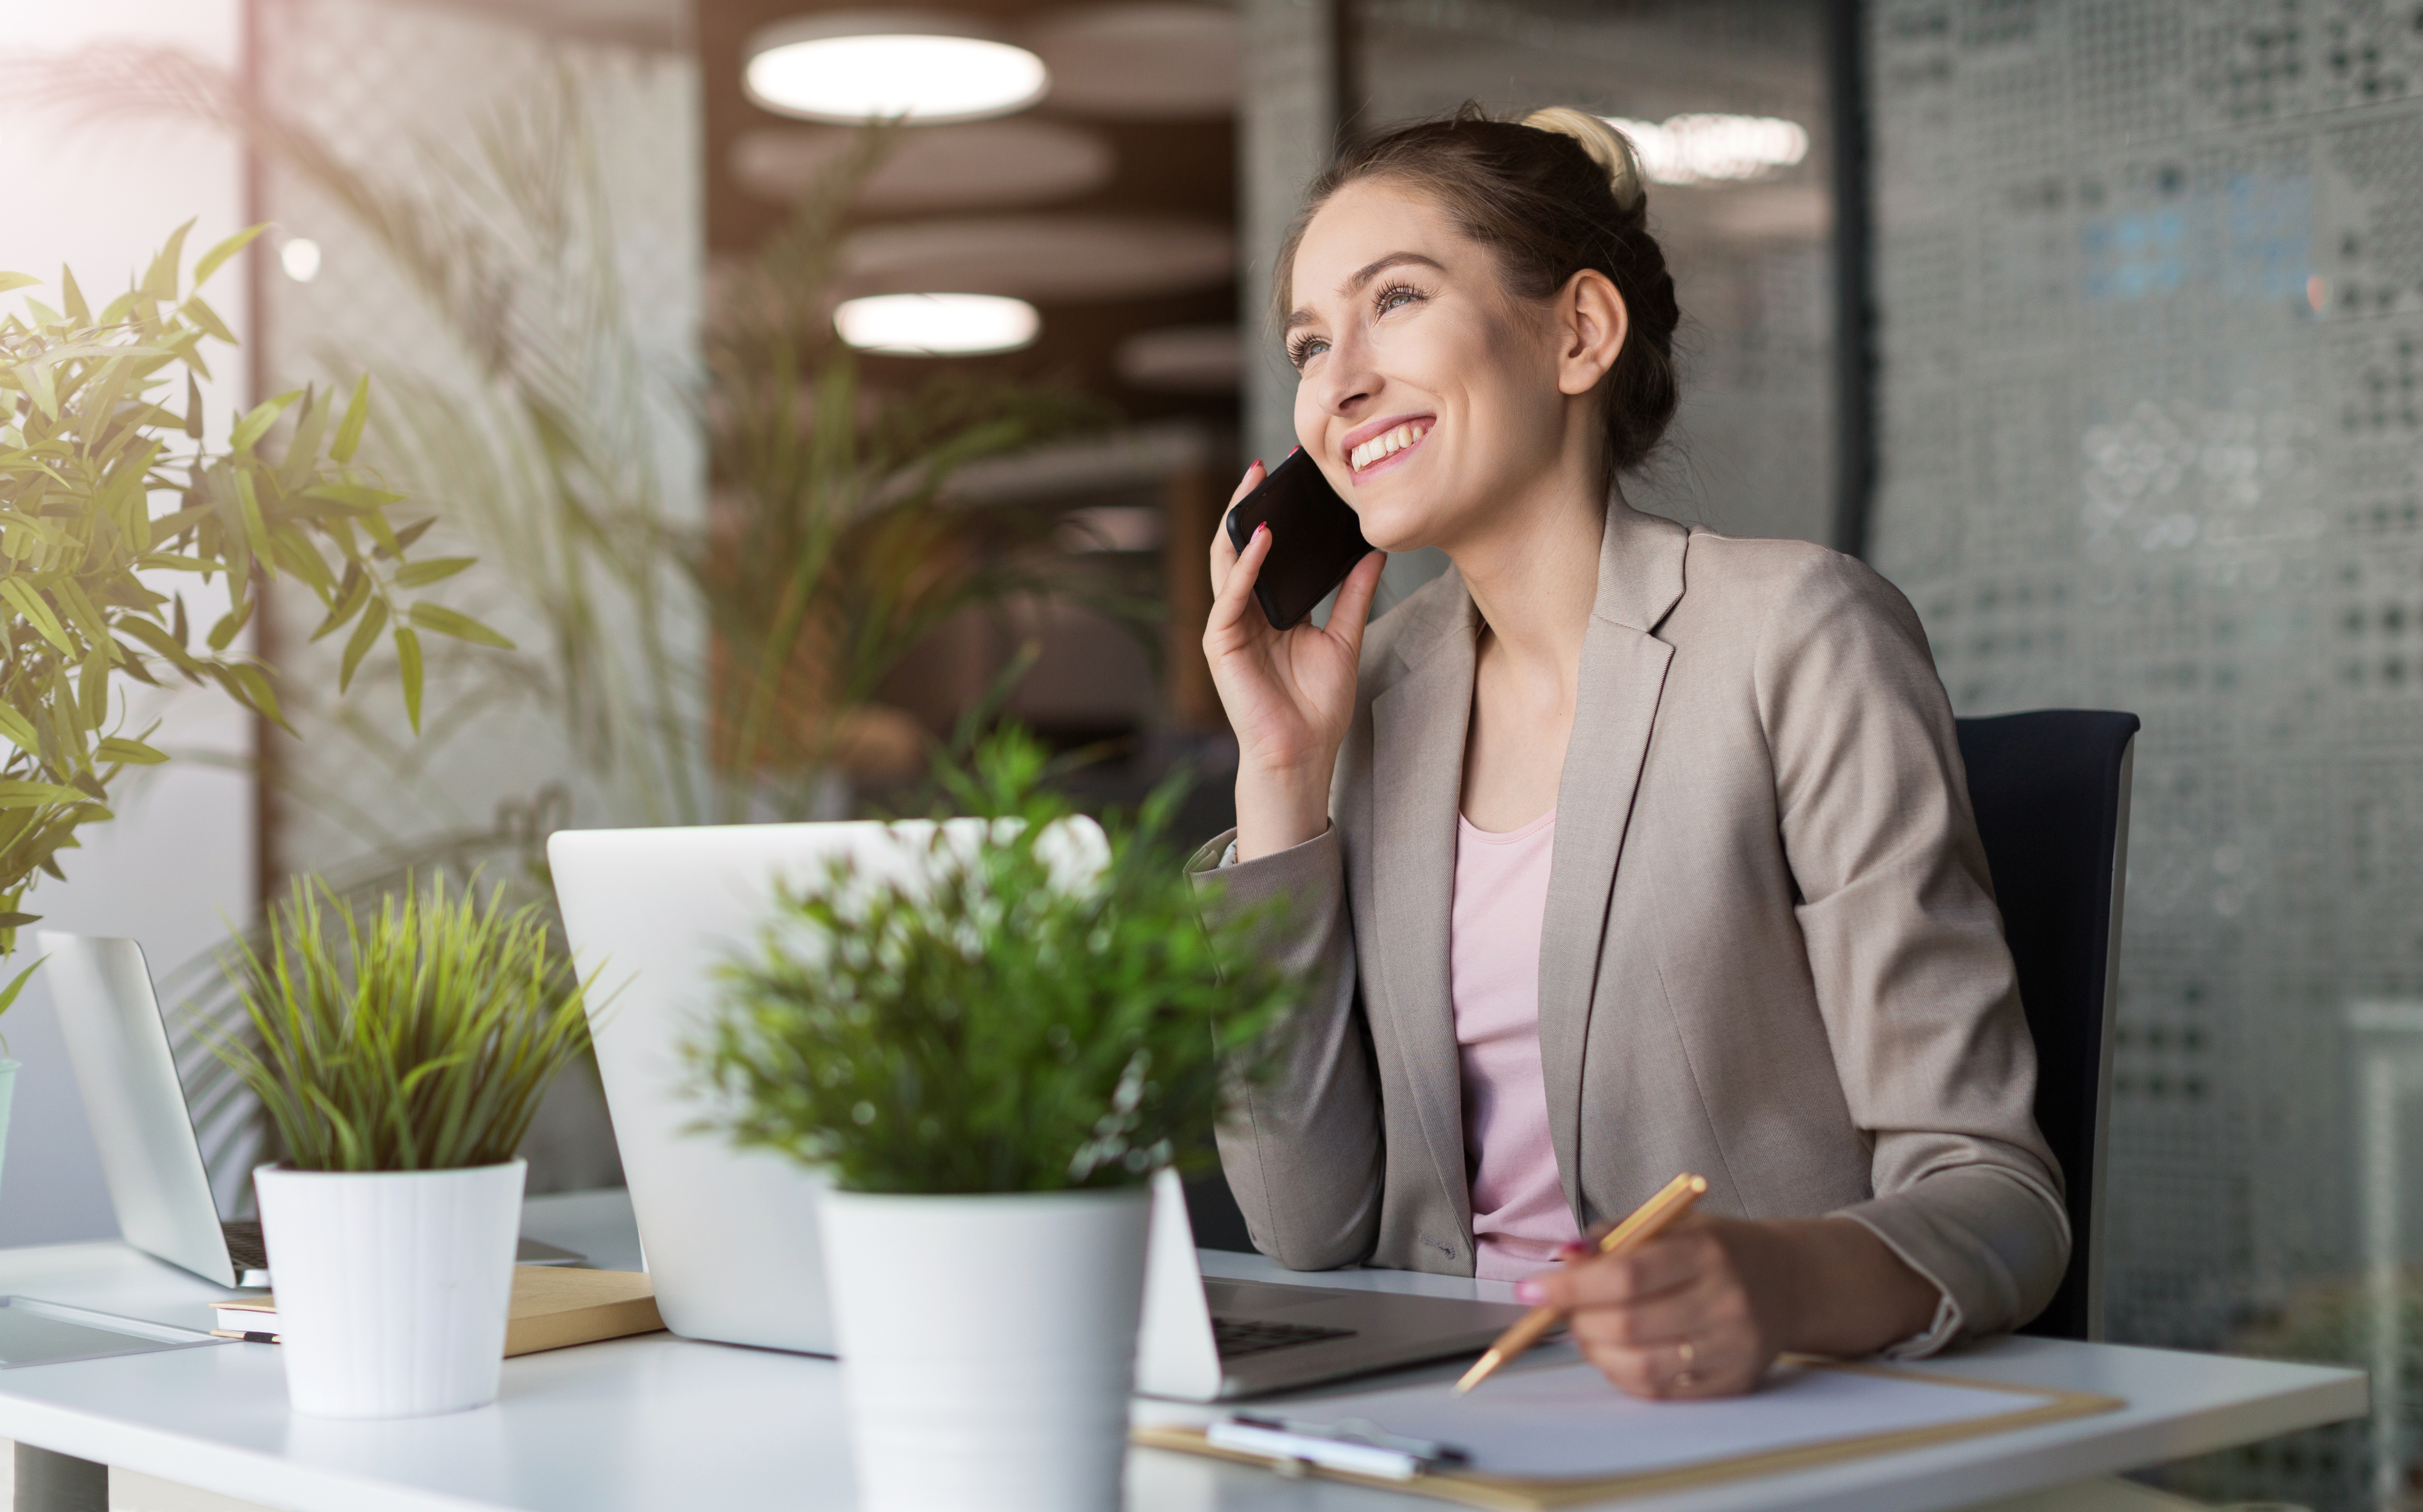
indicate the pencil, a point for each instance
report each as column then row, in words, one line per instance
column 1647, row 1222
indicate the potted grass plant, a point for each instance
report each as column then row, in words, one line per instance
column 992, row 1057
column 399, row 1058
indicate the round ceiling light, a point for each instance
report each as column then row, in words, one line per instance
column 936, row 326
column 1714, row 148
column 855, row 66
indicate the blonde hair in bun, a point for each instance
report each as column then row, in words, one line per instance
column 1609, row 148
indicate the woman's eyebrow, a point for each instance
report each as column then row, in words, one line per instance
column 1365, row 274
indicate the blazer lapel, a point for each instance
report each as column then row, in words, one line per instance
column 1622, row 674
column 1417, row 734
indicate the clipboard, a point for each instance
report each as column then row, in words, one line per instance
column 1493, row 1483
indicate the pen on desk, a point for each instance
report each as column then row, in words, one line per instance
column 1647, row 1222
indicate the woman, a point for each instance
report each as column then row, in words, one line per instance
column 1621, row 849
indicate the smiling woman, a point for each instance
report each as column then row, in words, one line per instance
column 1620, row 849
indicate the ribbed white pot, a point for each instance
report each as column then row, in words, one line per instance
column 8, row 1096
column 987, row 1346
column 392, row 1287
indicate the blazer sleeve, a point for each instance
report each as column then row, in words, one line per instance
column 1303, row 1150
column 1915, row 983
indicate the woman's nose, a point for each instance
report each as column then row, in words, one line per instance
column 1346, row 380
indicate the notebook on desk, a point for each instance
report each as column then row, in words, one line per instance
column 1552, row 1435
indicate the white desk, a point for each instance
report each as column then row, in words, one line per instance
column 662, row 1424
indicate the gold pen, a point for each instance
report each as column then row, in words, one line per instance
column 1647, row 1222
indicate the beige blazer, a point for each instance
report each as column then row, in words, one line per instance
column 1771, row 953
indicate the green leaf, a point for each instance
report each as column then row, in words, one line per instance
column 132, row 752
column 258, row 421
column 365, row 636
column 250, row 685
column 198, row 311
column 407, row 657
column 193, row 407
column 18, row 795
column 447, row 621
column 247, row 503
column 73, row 298
column 232, row 622
column 17, row 280
column 21, row 595
column 160, row 641
column 436, row 569
column 19, row 731
column 352, row 591
column 303, row 452
column 160, row 280
column 92, row 690
column 216, row 257
column 349, row 432
column 8, row 993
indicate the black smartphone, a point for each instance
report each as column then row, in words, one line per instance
column 1315, row 537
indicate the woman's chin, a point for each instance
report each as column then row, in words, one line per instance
column 1395, row 524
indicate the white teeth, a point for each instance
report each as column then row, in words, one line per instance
column 1386, row 444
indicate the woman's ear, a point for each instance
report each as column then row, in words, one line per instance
column 1591, row 324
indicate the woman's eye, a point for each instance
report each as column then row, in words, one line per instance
column 1305, row 348
column 1401, row 295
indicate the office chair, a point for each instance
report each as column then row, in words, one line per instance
column 2050, row 789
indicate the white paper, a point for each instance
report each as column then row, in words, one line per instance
column 1566, row 1421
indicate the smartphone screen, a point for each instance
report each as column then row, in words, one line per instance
column 1315, row 537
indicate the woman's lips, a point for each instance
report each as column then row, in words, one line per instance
column 1391, row 445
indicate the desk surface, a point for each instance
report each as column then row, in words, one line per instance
column 656, row 1422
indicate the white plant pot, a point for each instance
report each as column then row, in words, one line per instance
column 987, row 1346
column 8, row 1096
column 392, row 1287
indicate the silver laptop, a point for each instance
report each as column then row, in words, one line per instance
column 150, row 1155
column 1207, row 1340
column 731, row 1236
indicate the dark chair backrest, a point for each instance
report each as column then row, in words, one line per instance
column 2050, row 789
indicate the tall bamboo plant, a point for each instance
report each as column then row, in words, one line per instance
column 90, row 452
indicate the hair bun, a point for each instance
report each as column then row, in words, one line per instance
column 1608, row 148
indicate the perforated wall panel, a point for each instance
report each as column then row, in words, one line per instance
column 2151, row 281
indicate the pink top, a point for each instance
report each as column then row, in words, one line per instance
column 1519, row 1216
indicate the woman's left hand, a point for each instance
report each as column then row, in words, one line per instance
column 1692, row 1313
column 1704, row 1309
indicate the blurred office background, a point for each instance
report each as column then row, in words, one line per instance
column 2092, row 323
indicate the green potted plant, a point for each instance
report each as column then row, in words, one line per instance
column 400, row 1061
column 992, row 1054
column 108, row 498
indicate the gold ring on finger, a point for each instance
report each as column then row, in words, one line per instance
column 1689, row 1355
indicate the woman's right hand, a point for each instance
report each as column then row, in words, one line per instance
column 1290, row 694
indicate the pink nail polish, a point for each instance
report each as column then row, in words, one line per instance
column 1572, row 1249
column 1263, row 529
column 1258, row 462
column 1530, row 1291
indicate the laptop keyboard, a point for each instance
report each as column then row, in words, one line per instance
column 1236, row 1337
column 245, row 1244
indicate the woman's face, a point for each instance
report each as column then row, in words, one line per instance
column 1427, row 391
